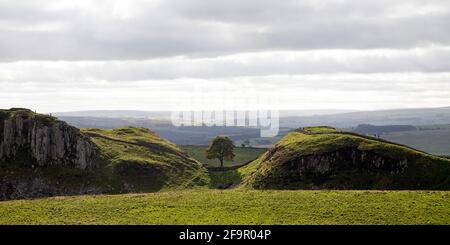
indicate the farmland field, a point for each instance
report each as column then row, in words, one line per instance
column 433, row 140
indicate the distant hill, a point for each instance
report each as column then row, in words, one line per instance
column 167, row 114
column 369, row 129
column 302, row 118
column 180, row 135
column 320, row 157
column 116, row 114
column 434, row 139
column 289, row 120
column 425, row 116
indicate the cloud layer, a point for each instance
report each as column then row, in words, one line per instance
column 72, row 55
column 117, row 30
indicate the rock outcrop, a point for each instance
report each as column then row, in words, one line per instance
column 37, row 187
column 43, row 139
column 322, row 158
column 338, row 169
column 345, row 159
column 41, row 156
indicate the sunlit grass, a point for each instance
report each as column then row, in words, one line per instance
column 236, row 207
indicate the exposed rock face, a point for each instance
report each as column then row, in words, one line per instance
column 11, row 188
column 46, row 140
column 345, row 168
column 345, row 159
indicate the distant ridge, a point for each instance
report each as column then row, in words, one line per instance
column 414, row 116
column 167, row 114
column 115, row 114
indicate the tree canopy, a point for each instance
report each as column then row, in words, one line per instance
column 221, row 148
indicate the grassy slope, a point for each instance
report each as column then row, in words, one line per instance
column 235, row 207
column 243, row 155
column 318, row 140
column 145, row 160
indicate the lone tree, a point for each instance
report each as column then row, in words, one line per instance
column 221, row 148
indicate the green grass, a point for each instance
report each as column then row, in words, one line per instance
column 320, row 129
column 140, row 136
column 316, row 143
column 225, row 179
column 141, row 157
column 243, row 155
column 235, row 207
column 424, row 171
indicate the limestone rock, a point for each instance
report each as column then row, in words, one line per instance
column 44, row 139
column 345, row 159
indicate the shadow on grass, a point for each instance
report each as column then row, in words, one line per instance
column 224, row 179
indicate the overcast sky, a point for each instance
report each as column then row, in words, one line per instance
column 144, row 55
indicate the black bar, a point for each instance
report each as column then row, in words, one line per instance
column 302, row 234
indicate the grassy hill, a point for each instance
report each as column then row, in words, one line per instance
column 144, row 160
column 129, row 160
column 235, row 207
column 321, row 157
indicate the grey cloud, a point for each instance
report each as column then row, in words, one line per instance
column 60, row 55
column 193, row 28
column 427, row 60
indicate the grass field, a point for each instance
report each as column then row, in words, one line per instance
column 235, row 207
column 243, row 155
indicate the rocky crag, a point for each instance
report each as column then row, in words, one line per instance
column 41, row 156
column 323, row 158
column 44, row 139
